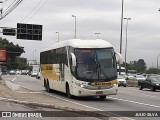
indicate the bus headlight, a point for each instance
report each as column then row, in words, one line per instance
column 114, row 85
column 83, row 85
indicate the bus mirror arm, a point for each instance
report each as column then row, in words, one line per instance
column 73, row 59
column 119, row 58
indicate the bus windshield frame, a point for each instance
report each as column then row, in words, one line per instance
column 95, row 64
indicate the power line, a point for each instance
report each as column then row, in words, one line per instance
column 31, row 11
column 37, row 11
column 10, row 8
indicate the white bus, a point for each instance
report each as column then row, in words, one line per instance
column 80, row 68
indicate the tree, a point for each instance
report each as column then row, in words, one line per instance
column 13, row 51
column 22, row 63
column 141, row 66
column 152, row 71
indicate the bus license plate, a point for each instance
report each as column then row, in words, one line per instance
column 99, row 92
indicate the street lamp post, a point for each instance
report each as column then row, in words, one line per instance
column 126, row 42
column 75, row 27
column 57, row 36
column 97, row 34
column 121, row 35
column 157, row 61
column 121, row 28
column 34, row 56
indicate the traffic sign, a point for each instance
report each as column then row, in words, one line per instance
column 29, row 31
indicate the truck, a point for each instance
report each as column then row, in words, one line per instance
column 151, row 82
column 35, row 70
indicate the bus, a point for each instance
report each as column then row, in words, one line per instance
column 80, row 68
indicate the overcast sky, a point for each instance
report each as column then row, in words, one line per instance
column 102, row 16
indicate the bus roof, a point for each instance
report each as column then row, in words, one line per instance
column 78, row 43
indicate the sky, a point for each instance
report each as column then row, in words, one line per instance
column 93, row 16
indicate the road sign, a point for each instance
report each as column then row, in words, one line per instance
column 29, row 31
column 9, row 31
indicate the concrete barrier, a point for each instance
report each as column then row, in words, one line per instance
column 132, row 83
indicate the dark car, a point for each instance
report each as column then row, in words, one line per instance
column 152, row 82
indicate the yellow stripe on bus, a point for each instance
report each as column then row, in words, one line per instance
column 104, row 83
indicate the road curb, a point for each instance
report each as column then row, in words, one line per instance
column 87, row 113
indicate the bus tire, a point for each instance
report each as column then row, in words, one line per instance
column 68, row 91
column 47, row 87
column 44, row 83
column 102, row 97
column 140, row 87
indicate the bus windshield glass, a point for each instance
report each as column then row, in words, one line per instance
column 96, row 64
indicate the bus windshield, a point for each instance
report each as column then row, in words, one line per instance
column 96, row 64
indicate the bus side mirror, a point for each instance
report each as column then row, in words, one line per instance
column 119, row 58
column 73, row 59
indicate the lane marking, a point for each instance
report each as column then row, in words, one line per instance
column 13, row 79
column 29, row 92
column 149, row 96
column 73, row 102
column 86, row 106
column 145, row 104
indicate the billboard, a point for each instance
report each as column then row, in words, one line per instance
column 3, row 55
column 29, row 31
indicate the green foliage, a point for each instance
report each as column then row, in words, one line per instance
column 9, row 46
column 13, row 61
column 153, row 71
column 139, row 66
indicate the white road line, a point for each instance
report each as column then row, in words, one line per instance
column 29, row 92
column 135, row 102
column 149, row 95
column 13, row 79
column 74, row 102
column 85, row 106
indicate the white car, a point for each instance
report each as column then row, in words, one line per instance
column 34, row 73
column 140, row 77
column 12, row 72
column 121, row 81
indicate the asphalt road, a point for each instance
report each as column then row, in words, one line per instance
column 128, row 98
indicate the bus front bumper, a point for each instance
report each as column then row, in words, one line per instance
column 98, row 92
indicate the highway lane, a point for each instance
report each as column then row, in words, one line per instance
column 128, row 98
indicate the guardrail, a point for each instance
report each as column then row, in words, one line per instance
column 132, row 83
